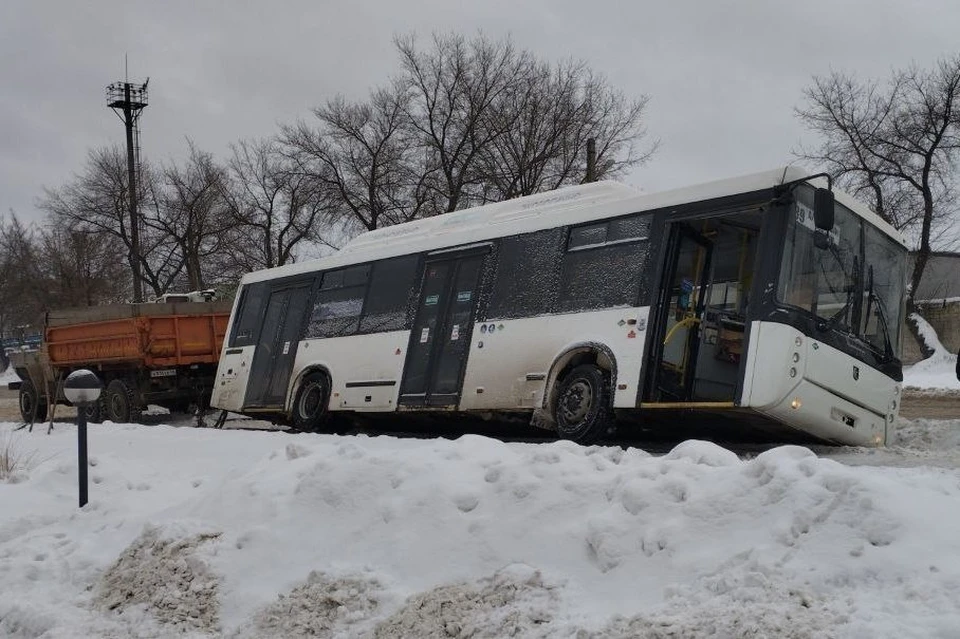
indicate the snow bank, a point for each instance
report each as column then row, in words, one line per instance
column 162, row 574
column 306, row 535
column 8, row 375
column 937, row 371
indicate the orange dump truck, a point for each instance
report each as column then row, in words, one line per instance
column 153, row 353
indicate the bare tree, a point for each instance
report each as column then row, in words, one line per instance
column 81, row 268
column 43, row 268
column 276, row 207
column 95, row 201
column 362, row 158
column 894, row 144
column 21, row 280
column 194, row 214
column 455, row 88
column 545, row 120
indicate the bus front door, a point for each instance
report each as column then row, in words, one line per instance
column 440, row 341
column 279, row 336
column 680, row 315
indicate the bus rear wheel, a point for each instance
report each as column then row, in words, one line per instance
column 310, row 405
column 582, row 409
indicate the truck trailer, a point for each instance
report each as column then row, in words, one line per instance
column 151, row 353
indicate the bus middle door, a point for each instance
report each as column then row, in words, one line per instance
column 440, row 340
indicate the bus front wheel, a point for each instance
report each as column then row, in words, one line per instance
column 582, row 410
column 310, row 405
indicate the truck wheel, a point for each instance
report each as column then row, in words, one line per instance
column 310, row 406
column 93, row 412
column 33, row 408
column 119, row 403
column 582, row 410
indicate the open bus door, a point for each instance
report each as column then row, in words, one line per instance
column 680, row 314
column 699, row 334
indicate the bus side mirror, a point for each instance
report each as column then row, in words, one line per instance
column 823, row 202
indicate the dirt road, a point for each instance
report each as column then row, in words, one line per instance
column 930, row 404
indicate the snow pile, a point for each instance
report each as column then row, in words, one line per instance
column 8, row 375
column 162, row 573
column 937, row 371
column 926, row 435
column 514, row 602
column 360, row 536
column 323, row 606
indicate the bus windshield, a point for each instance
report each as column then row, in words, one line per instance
column 855, row 284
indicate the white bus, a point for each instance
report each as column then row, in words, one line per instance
column 764, row 298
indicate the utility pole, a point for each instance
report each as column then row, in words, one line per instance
column 127, row 100
column 591, row 160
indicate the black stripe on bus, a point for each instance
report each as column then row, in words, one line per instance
column 369, row 384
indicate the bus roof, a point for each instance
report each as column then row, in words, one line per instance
column 564, row 206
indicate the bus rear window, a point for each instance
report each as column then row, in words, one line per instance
column 246, row 325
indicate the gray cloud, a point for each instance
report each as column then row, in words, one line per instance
column 724, row 76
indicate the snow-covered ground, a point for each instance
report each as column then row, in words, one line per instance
column 236, row 533
column 258, row 534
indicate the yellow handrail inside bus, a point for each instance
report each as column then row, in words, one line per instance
column 689, row 320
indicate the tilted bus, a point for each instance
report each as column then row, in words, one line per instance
column 764, row 298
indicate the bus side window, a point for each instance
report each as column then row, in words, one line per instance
column 336, row 312
column 388, row 300
column 602, row 269
column 527, row 277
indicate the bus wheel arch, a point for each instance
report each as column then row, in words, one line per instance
column 586, row 372
column 311, row 401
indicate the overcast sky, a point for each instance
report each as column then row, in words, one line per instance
column 723, row 76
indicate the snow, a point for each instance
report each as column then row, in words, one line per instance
column 254, row 534
column 937, row 371
column 8, row 375
column 560, row 207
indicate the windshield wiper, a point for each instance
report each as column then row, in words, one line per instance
column 834, row 320
column 881, row 315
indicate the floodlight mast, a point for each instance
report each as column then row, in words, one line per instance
column 128, row 100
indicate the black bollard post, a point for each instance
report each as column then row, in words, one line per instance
column 82, row 388
column 82, row 453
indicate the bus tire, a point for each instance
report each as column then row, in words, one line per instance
column 310, row 405
column 582, row 408
column 119, row 403
column 32, row 407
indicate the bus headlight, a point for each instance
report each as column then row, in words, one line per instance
column 796, row 403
